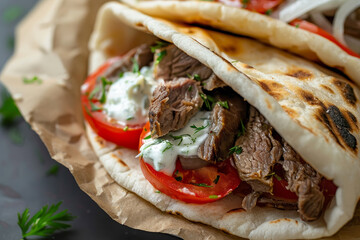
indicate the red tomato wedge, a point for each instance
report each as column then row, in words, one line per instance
column 305, row 25
column 203, row 185
column 122, row 135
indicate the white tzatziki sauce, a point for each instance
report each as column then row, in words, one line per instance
column 128, row 98
column 162, row 152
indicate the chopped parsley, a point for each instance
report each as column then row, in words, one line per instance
column 104, row 83
column 181, row 137
column 268, row 12
column 130, row 118
column 148, row 137
column 135, row 67
column 160, row 56
column 168, row 146
column 95, row 108
column 88, row 111
column 126, row 128
column 216, row 180
column 245, row 2
column 195, row 77
column 121, row 74
column 190, row 88
column 198, row 129
column 297, row 25
column 32, row 80
column 202, row 185
column 8, row 110
column 53, row 170
column 235, row 149
column 157, row 191
column 95, row 91
column 224, row 104
column 273, row 174
column 242, row 130
column 158, row 45
column 208, row 101
column 235, row 61
column 213, row 196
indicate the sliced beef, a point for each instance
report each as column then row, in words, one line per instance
column 173, row 104
column 224, row 125
column 176, row 64
column 304, row 181
column 141, row 55
column 260, row 151
column 250, row 200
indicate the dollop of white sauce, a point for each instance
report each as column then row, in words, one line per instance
column 128, row 98
column 161, row 153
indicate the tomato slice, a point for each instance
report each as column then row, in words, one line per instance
column 305, row 25
column 203, row 185
column 122, row 135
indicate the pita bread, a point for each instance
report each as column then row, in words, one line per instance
column 315, row 110
column 252, row 24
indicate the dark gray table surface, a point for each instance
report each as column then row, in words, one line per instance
column 23, row 169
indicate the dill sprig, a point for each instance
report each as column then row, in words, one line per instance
column 45, row 222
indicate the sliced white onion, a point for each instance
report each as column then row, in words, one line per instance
column 294, row 9
column 340, row 16
column 353, row 43
column 320, row 20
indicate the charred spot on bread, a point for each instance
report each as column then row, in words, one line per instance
column 298, row 73
column 309, row 97
column 346, row 91
column 275, row 89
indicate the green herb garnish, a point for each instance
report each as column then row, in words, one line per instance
column 224, row 104
column 216, row 180
column 12, row 13
column 160, row 56
column 213, row 196
column 130, row 118
column 32, row 80
column 168, row 146
column 148, row 137
column 126, row 128
column 53, row 170
column 208, row 101
column 121, row 75
column 104, row 83
column 273, row 174
column 135, row 67
column 95, row 91
column 268, row 12
column 242, row 129
column 181, row 137
column 95, row 108
column 45, row 222
column 159, row 44
column 297, row 25
column 190, row 88
column 235, row 149
column 8, row 109
column 157, row 191
column 201, row 185
column 198, row 129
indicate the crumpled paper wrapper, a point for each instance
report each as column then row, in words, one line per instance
column 52, row 44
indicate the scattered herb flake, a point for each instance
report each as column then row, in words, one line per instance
column 130, row 118
column 235, row 149
column 32, row 80
column 208, row 101
column 198, row 129
column 95, row 91
column 224, row 104
column 242, row 129
column 157, row 191
column 12, row 13
column 213, row 196
column 8, row 110
column 277, row 177
column 95, row 108
column 121, row 75
column 45, row 222
column 135, row 67
column 148, row 137
column 126, row 128
column 16, row 136
column 160, row 56
column 168, row 146
column 53, row 171
column 216, row 180
column 190, row 88
column 202, row 185
column 234, row 61
column 104, row 83
column 297, row 25
column 159, row 44
column 181, row 137
column 268, row 12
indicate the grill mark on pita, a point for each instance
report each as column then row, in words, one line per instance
column 230, row 48
column 327, row 88
column 100, row 141
column 352, row 118
column 342, row 126
column 301, row 74
column 247, row 66
column 309, row 97
column 235, row 210
column 119, row 160
column 276, row 90
column 291, row 112
column 281, row 219
column 346, row 91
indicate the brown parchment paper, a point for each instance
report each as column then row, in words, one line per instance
column 52, row 43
